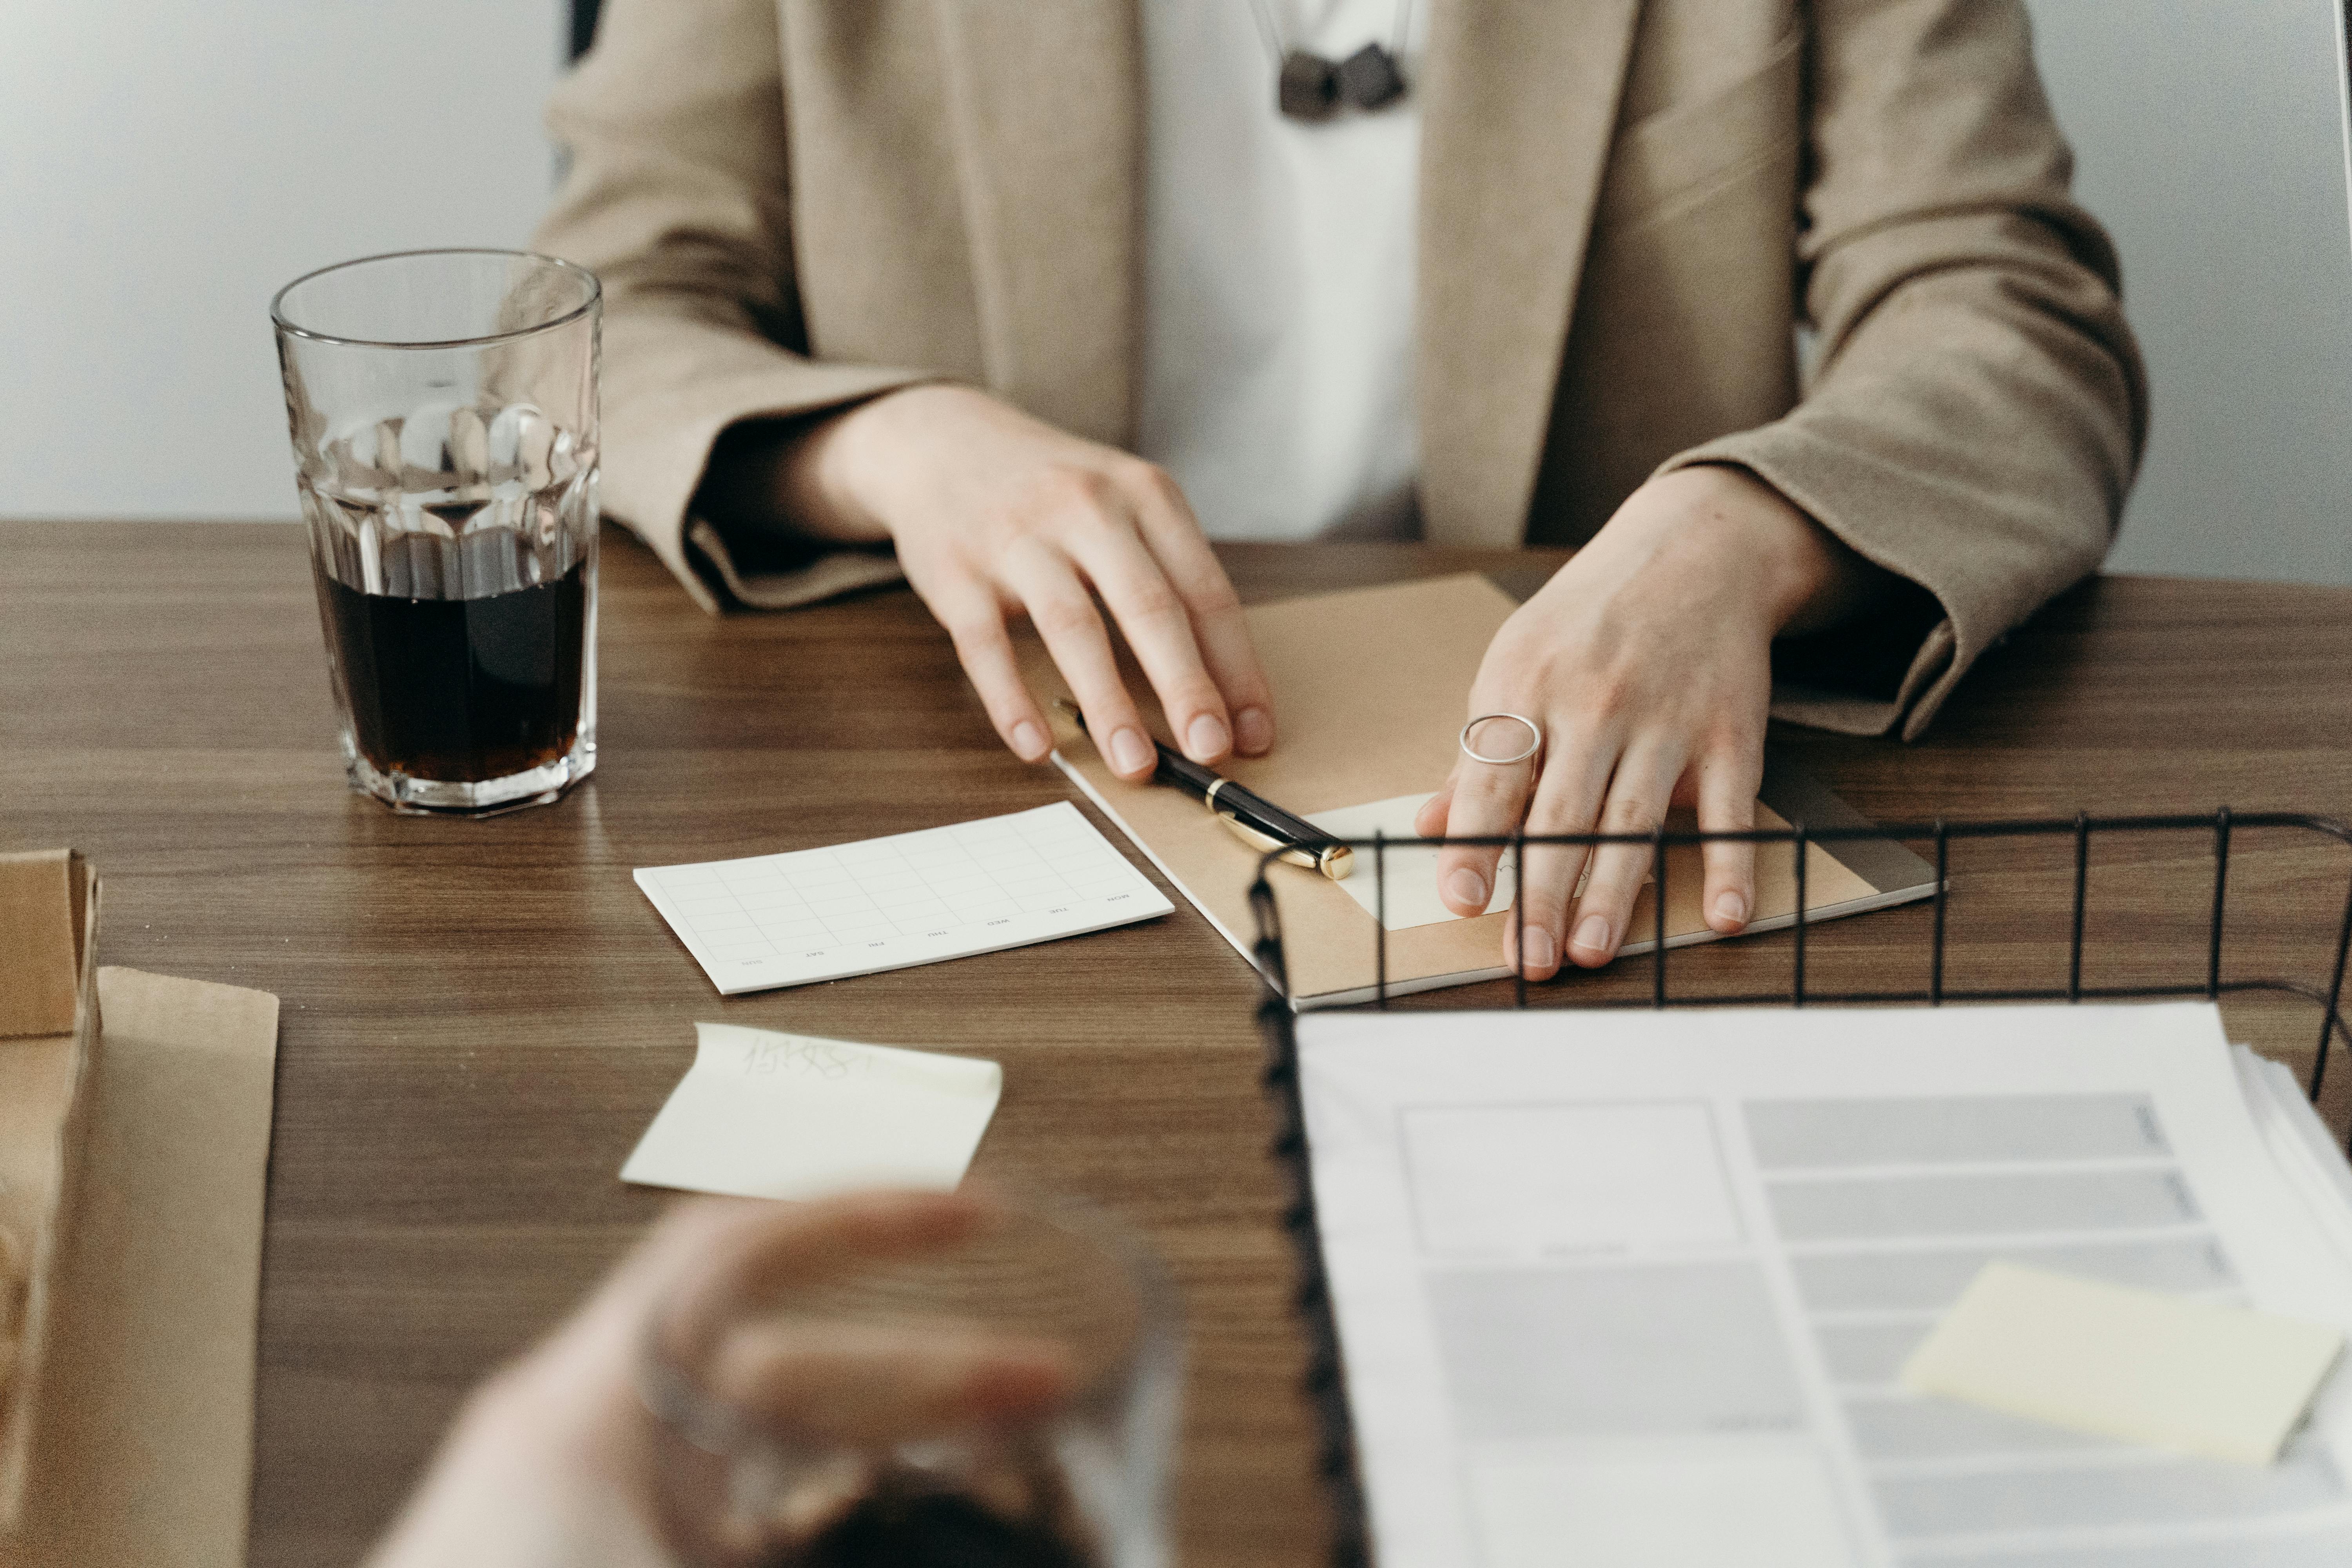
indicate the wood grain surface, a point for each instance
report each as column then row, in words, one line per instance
column 481, row 1017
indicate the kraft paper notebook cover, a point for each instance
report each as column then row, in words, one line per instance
column 1368, row 686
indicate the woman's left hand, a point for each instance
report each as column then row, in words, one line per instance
column 1647, row 661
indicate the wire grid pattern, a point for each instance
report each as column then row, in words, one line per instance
column 2218, row 828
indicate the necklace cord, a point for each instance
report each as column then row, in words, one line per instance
column 1271, row 30
column 1264, row 13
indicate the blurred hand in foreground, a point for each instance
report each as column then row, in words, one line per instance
column 556, row 1462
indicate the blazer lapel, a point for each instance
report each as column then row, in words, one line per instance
column 1518, row 103
column 1046, row 101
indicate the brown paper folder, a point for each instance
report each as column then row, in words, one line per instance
column 142, row 1443
column 49, row 1014
column 44, row 910
column 1369, row 688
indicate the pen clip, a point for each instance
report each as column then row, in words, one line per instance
column 1334, row 862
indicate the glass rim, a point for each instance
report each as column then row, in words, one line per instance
column 676, row 1398
column 277, row 302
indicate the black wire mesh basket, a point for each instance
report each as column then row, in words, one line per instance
column 2081, row 909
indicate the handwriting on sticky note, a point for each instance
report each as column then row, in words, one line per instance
column 771, row 1115
column 2221, row 1381
column 829, row 1059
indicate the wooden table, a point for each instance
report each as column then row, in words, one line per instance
column 479, row 1018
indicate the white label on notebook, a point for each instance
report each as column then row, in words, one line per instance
column 769, row 1115
column 887, row 903
column 1409, row 866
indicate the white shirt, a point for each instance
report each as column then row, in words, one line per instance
column 1278, row 278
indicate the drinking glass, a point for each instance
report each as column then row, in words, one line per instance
column 841, row 1476
column 443, row 410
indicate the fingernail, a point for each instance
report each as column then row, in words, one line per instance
column 1028, row 739
column 1593, row 934
column 1129, row 751
column 1257, row 727
column 1535, row 949
column 1466, row 889
column 1208, row 738
column 1731, row 908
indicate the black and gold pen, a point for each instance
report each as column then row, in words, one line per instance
column 1254, row 820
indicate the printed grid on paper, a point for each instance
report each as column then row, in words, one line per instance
column 916, row 884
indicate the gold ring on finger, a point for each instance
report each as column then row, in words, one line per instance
column 1535, row 740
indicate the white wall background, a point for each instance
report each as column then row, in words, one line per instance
column 165, row 165
column 2208, row 137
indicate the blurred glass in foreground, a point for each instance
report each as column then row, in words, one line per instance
column 1007, row 1398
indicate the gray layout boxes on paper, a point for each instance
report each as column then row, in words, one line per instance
column 1677, row 1348
column 1635, row 1290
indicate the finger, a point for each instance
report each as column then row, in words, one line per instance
column 709, row 1257
column 1639, row 793
column 1429, row 822
column 873, row 1385
column 1486, row 799
column 1729, row 778
column 1173, row 536
column 975, row 624
column 1159, row 629
column 1567, row 800
column 1047, row 584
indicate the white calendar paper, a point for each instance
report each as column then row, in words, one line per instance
column 887, row 903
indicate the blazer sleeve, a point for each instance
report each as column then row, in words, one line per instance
column 676, row 198
column 1974, row 405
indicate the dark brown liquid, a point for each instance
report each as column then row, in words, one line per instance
column 461, row 690
column 938, row 1529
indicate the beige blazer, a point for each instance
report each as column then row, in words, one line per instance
column 1628, row 209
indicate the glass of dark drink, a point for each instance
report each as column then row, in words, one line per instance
column 799, row 1407
column 443, row 410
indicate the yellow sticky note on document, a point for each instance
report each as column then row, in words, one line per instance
column 2221, row 1382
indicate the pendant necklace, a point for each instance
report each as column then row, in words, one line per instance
column 1309, row 86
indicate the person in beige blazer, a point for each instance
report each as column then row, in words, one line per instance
column 1782, row 313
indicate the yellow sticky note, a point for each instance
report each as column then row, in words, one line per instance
column 2221, row 1382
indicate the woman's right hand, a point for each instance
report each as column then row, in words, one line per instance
column 996, row 514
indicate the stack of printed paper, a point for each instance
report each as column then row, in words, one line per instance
column 1617, row 1290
